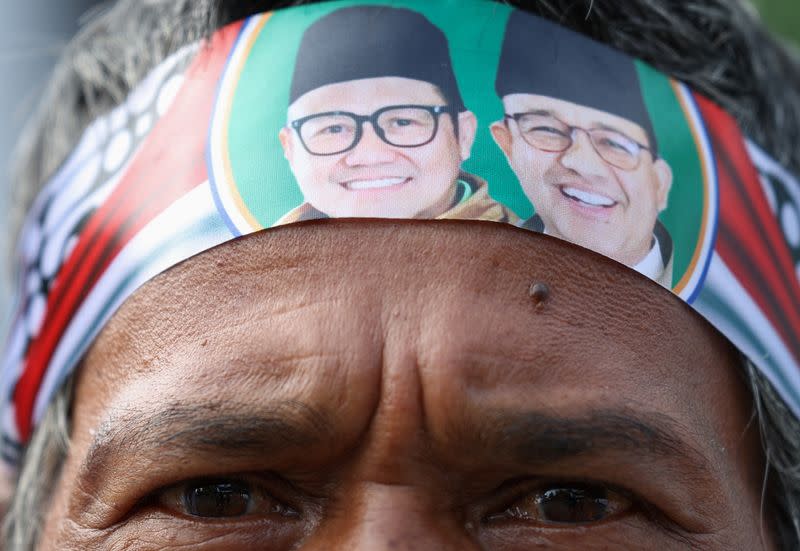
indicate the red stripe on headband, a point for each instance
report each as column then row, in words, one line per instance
column 170, row 164
column 749, row 240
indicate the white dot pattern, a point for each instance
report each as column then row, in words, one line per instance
column 143, row 124
column 117, row 151
column 31, row 242
column 770, row 193
column 118, row 119
column 70, row 246
column 787, row 210
column 168, row 93
column 791, row 224
column 34, row 284
column 52, row 229
column 36, row 310
column 81, row 184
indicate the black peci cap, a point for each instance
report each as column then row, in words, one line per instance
column 542, row 58
column 370, row 42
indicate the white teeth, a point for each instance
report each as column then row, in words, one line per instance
column 589, row 198
column 375, row 184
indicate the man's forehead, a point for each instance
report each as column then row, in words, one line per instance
column 274, row 279
column 366, row 95
column 278, row 318
column 573, row 114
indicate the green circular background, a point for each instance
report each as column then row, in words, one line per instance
column 267, row 186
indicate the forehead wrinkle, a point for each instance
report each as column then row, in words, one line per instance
column 162, row 343
column 158, row 311
column 272, row 263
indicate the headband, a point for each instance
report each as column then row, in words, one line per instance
column 204, row 150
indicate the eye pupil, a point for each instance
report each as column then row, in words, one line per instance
column 573, row 505
column 217, row 500
column 565, row 505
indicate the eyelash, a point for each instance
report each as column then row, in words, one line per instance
column 261, row 487
column 516, row 490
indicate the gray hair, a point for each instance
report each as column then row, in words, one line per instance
column 719, row 47
column 41, row 469
column 780, row 438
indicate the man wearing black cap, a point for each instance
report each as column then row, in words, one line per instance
column 578, row 136
column 376, row 123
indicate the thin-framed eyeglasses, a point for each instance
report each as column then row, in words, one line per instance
column 547, row 133
column 336, row 132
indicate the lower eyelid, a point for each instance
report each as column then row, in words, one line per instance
column 153, row 528
column 265, row 501
column 514, row 492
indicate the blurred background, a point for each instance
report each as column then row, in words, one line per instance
column 33, row 33
column 783, row 16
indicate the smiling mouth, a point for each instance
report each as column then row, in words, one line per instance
column 377, row 183
column 586, row 197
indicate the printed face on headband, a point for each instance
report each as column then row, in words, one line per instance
column 387, row 147
column 591, row 176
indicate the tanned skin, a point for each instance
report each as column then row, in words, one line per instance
column 376, row 385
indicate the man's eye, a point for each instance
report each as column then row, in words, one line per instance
column 566, row 504
column 616, row 145
column 217, row 499
column 223, row 499
column 334, row 129
column 546, row 130
column 619, row 145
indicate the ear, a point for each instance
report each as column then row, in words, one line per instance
column 467, row 127
column 664, row 176
column 285, row 136
column 502, row 137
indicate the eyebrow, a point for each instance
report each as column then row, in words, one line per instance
column 534, row 439
column 542, row 113
column 538, row 438
column 207, row 429
column 603, row 126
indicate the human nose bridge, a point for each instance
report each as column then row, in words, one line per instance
column 371, row 148
column 400, row 518
column 581, row 155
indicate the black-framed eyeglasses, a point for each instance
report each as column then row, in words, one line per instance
column 547, row 133
column 335, row 132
